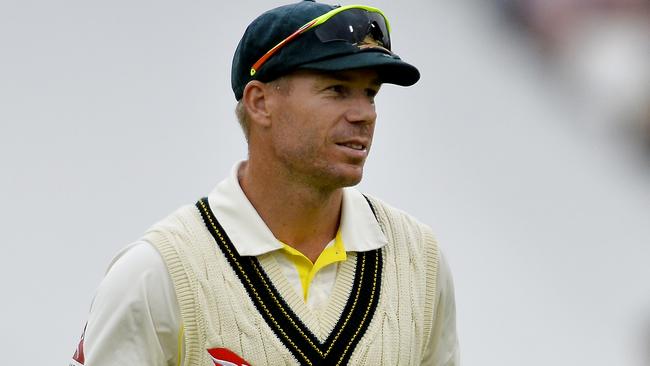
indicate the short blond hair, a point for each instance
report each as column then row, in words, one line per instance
column 242, row 118
column 281, row 85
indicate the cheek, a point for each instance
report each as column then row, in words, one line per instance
column 292, row 137
column 304, row 128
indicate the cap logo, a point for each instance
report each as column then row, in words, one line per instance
column 371, row 42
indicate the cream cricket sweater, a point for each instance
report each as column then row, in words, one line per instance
column 380, row 312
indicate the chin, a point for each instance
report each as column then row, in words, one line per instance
column 351, row 176
column 337, row 176
column 349, row 182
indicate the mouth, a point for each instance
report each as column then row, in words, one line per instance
column 353, row 145
column 354, row 150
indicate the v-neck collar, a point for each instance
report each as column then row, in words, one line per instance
column 328, row 340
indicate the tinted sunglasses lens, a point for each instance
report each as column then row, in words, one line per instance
column 379, row 29
column 354, row 26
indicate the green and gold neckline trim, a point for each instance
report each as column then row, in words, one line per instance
column 287, row 326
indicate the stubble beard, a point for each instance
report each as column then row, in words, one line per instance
column 311, row 169
column 307, row 165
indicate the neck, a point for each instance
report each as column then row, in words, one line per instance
column 297, row 214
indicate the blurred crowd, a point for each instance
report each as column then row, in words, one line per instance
column 601, row 49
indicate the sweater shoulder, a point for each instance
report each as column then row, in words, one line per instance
column 387, row 212
column 181, row 237
column 405, row 231
column 182, row 227
column 179, row 222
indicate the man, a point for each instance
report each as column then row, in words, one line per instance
column 283, row 264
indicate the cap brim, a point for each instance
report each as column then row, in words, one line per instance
column 391, row 68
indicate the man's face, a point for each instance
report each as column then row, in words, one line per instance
column 322, row 126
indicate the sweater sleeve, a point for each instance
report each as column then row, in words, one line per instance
column 134, row 318
column 442, row 349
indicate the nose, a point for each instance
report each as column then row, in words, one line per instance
column 361, row 110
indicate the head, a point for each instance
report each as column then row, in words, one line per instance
column 305, row 76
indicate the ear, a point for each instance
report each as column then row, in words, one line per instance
column 255, row 99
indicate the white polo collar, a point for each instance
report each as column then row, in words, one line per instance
column 249, row 234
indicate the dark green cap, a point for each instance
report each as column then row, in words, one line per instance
column 307, row 51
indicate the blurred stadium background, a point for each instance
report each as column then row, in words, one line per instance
column 526, row 146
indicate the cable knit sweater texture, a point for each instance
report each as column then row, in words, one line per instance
column 217, row 311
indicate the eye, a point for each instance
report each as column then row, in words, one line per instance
column 371, row 93
column 337, row 89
